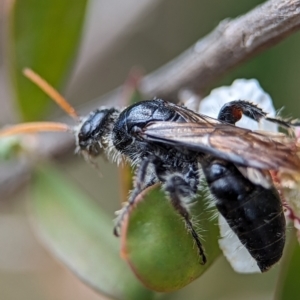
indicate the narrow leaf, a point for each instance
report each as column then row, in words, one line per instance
column 80, row 234
column 288, row 284
column 43, row 36
column 158, row 247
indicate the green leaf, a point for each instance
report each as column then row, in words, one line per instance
column 288, row 284
column 43, row 36
column 9, row 146
column 158, row 247
column 80, row 234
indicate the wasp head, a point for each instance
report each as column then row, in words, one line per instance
column 93, row 131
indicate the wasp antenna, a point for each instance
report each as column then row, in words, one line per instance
column 34, row 127
column 51, row 92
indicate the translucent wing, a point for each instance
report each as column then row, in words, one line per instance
column 238, row 145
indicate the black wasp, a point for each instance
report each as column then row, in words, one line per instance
column 172, row 145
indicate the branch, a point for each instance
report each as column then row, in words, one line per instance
column 230, row 44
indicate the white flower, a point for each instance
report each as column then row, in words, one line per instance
column 250, row 90
column 241, row 89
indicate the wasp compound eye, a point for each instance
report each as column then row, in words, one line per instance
column 93, row 130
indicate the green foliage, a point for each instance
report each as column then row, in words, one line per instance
column 9, row 147
column 158, row 247
column 288, row 281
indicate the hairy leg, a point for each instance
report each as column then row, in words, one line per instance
column 144, row 178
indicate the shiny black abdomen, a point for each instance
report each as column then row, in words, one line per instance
column 254, row 213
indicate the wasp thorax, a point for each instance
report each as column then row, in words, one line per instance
column 93, row 130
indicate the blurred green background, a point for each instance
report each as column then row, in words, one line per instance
column 114, row 37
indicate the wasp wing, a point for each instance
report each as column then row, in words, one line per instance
column 238, row 145
column 192, row 117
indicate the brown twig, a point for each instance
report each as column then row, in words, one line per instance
column 230, row 44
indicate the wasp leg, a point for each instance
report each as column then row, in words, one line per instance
column 232, row 112
column 144, row 178
column 182, row 185
column 179, row 190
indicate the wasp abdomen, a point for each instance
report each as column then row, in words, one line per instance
column 254, row 213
